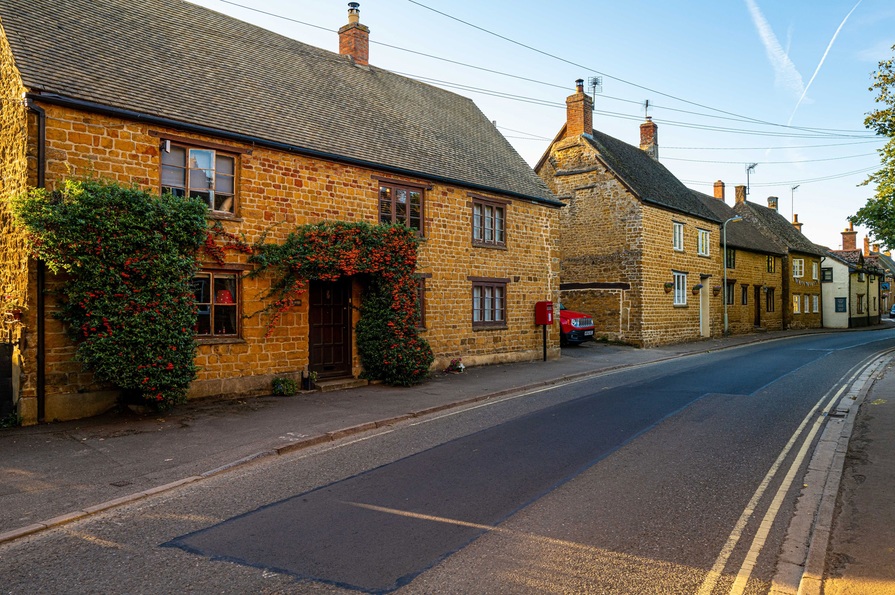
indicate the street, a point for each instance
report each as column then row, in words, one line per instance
column 673, row 477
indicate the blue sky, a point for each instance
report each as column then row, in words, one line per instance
column 730, row 83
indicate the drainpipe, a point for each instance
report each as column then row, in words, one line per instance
column 41, row 267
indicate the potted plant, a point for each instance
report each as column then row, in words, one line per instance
column 716, row 289
column 668, row 286
column 696, row 288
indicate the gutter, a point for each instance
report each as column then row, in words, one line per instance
column 254, row 140
column 41, row 267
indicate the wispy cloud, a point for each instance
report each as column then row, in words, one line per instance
column 822, row 59
column 785, row 73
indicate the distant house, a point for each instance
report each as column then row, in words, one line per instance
column 754, row 290
column 851, row 285
column 799, row 267
column 639, row 249
column 144, row 92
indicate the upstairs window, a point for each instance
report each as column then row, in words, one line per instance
column 677, row 231
column 772, row 265
column 401, row 204
column 731, row 258
column 798, row 267
column 488, row 223
column 702, row 242
column 826, row 275
column 814, row 268
column 207, row 174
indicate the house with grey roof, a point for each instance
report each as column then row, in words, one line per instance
column 639, row 249
column 799, row 266
column 752, row 283
column 272, row 133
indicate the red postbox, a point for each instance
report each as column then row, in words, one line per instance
column 544, row 313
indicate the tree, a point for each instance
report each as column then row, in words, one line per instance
column 879, row 212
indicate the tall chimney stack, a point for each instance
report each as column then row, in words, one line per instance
column 795, row 222
column 720, row 191
column 579, row 112
column 772, row 202
column 866, row 246
column 354, row 38
column 740, row 193
column 849, row 238
column 649, row 138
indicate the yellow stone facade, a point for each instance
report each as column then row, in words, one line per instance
column 618, row 253
column 278, row 190
column 755, row 285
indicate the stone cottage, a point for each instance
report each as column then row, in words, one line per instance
column 639, row 249
column 273, row 133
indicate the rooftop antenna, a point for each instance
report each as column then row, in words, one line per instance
column 596, row 86
column 749, row 169
column 646, row 109
column 792, row 199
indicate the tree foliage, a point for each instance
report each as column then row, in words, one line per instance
column 129, row 257
column 879, row 212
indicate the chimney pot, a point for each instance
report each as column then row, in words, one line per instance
column 795, row 222
column 876, row 248
column 719, row 190
column 740, row 193
column 772, row 202
column 579, row 112
column 354, row 38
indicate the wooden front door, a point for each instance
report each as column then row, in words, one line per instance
column 330, row 328
column 757, row 300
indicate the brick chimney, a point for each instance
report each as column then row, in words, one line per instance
column 354, row 38
column 649, row 138
column 719, row 190
column 579, row 112
column 740, row 193
column 875, row 248
column 772, row 202
column 849, row 238
column 795, row 222
column 866, row 246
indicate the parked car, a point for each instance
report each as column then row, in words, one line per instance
column 574, row 327
column 892, row 312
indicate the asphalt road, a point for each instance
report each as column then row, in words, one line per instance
column 631, row 482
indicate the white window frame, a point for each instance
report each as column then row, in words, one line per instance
column 807, row 308
column 677, row 230
column 703, row 239
column 815, row 268
column 798, row 267
column 796, row 304
column 680, row 288
column 814, row 303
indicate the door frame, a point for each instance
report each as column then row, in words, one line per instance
column 325, row 314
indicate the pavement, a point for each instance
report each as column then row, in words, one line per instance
column 57, row 473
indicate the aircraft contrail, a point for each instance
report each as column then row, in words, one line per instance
column 824, row 57
column 785, row 72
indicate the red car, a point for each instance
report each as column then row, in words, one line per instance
column 574, row 327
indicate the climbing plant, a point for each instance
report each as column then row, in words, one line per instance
column 388, row 342
column 129, row 257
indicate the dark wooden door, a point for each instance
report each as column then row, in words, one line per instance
column 757, row 301
column 330, row 334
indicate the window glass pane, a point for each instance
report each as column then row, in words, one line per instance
column 224, row 184
column 224, row 165
column 223, row 202
column 477, row 304
column 477, row 222
column 173, row 175
column 498, row 227
column 176, row 156
column 400, row 196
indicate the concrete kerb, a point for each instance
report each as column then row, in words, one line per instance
column 312, row 441
column 803, row 557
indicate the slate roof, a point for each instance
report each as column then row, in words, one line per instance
column 743, row 235
column 775, row 226
column 855, row 259
column 179, row 61
column 885, row 262
column 650, row 180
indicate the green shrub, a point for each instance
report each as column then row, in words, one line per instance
column 283, row 387
column 129, row 257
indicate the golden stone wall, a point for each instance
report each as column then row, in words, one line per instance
column 750, row 271
column 276, row 192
